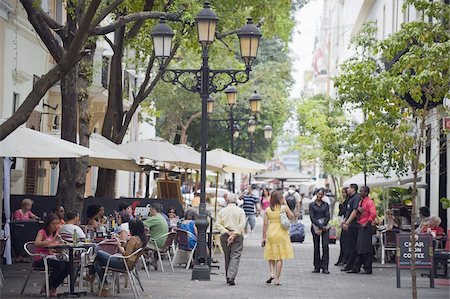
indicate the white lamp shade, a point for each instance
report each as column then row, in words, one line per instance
column 206, row 31
column 163, row 45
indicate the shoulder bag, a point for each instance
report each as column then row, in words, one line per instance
column 285, row 222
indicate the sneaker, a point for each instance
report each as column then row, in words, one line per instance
column 154, row 263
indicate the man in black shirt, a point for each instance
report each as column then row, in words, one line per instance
column 352, row 227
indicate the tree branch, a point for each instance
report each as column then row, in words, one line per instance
column 83, row 32
column 123, row 20
column 138, row 24
column 105, row 13
column 42, row 29
column 51, row 22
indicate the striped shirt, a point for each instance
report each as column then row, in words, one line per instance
column 249, row 204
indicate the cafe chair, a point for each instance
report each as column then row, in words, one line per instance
column 388, row 241
column 86, row 259
column 162, row 250
column 182, row 241
column 130, row 271
column 30, row 250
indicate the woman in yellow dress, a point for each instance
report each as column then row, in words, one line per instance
column 276, row 240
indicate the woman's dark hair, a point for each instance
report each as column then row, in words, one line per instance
column 424, row 211
column 50, row 217
column 262, row 193
column 275, row 199
column 124, row 216
column 92, row 210
column 172, row 209
column 403, row 211
column 137, row 229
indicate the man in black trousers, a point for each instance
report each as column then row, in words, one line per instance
column 351, row 226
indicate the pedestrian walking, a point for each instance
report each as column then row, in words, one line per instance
column 251, row 208
column 351, row 225
column 231, row 222
column 366, row 214
column 275, row 240
column 342, row 239
column 319, row 212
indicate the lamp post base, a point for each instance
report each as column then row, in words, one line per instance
column 201, row 272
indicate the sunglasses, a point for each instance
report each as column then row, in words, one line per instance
column 171, row 211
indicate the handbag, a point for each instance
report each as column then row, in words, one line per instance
column 285, row 222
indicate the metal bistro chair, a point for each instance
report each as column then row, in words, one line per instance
column 162, row 250
column 130, row 271
column 388, row 240
column 183, row 244
column 30, row 250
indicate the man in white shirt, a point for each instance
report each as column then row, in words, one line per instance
column 231, row 222
column 66, row 230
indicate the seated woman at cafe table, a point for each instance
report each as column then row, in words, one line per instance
column 138, row 240
column 123, row 230
column 173, row 217
column 92, row 215
column 72, row 225
column 188, row 224
column 424, row 217
column 24, row 213
column 60, row 268
column 433, row 226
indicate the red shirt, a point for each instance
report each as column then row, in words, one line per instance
column 369, row 213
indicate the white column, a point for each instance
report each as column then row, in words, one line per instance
column 434, row 164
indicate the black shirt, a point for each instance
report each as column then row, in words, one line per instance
column 317, row 212
column 343, row 208
column 352, row 204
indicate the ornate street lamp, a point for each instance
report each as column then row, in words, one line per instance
column 205, row 81
column 249, row 37
column 255, row 102
column 162, row 40
column 231, row 93
column 251, row 126
column 268, row 132
column 210, row 105
column 236, row 132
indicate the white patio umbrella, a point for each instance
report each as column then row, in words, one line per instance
column 155, row 149
column 27, row 143
column 106, row 155
column 233, row 163
column 194, row 158
column 284, row 175
column 380, row 180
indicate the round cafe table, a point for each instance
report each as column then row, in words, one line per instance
column 70, row 248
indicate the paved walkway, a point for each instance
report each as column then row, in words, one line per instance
column 297, row 279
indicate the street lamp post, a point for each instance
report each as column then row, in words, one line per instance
column 205, row 82
column 255, row 107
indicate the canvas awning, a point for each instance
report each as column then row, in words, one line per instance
column 233, row 163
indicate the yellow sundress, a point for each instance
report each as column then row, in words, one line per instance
column 278, row 243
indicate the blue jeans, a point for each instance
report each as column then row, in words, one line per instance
column 251, row 220
column 102, row 259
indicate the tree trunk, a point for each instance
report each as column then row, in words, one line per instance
column 84, row 81
column 112, row 124
column 66, row 194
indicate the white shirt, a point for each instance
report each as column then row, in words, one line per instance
column 124, row 227
column 67, row 230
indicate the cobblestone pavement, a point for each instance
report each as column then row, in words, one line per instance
column 297, row 279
